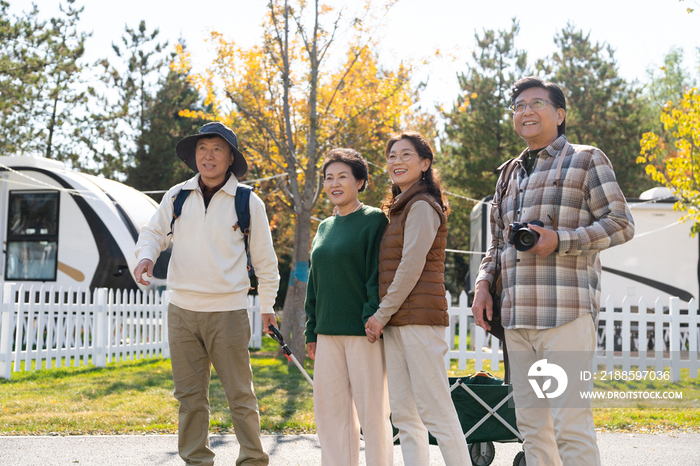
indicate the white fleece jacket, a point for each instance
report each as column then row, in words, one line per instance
column 207, row 270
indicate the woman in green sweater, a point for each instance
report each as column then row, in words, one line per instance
column 350, row 388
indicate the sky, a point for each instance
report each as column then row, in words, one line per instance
column 640, row 31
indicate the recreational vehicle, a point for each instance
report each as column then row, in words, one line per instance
column 661, row 261
column 64, row 228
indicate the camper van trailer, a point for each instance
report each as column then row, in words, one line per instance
column 64, row 228
column 661, row 261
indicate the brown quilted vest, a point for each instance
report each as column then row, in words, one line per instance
column 426, row 304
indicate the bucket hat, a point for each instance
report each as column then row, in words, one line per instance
column 186, row 148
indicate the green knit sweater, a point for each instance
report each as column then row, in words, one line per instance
column 341, row 293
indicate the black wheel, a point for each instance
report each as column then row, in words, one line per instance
column 519, row 459
column 482, row 453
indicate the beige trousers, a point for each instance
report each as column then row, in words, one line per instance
column 350, row 391
column 419, row 394
column 559, row 434
column 198, row 340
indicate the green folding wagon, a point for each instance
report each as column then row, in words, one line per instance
column 487, row 415
column 484, row 407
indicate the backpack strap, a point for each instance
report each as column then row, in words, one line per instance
column 243, row 213
column 242, row 203
column 177, row 206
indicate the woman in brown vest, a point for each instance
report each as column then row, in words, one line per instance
column 412, row 313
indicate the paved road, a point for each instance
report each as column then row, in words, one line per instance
column 303, row 450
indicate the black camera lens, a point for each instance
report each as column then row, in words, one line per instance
column 524, row 238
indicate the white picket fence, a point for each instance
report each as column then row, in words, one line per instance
column 43, row 327
column 474, row 343
column 679, row 329
column 622, row 344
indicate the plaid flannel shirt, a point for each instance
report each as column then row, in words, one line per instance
column 592, row 215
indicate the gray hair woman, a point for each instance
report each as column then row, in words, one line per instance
column 350, row 388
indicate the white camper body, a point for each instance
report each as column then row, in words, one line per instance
column 661, row 261
column 64, row 228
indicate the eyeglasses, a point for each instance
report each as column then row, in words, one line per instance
column 404, row 156
column 537, row 104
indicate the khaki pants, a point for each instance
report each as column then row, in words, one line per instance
column 198, row 340
column 419, row 394
column 559, row 434
column 350, row 386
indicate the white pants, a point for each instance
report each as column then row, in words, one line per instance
column 555, row 435
column 350, row 383
column 419, row 394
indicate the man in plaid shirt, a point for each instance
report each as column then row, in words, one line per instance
column 551, row 292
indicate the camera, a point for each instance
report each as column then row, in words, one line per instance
column 523, row 237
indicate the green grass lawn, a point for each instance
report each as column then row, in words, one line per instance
column 678, row 415
column 136, row 397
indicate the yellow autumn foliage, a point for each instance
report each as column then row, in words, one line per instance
column 314, row 82
column 674, row 159
column 357, row 104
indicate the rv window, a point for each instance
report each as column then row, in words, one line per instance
column 32, row 235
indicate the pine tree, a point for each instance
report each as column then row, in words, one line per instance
column 21, row 67
column 603, row 110
column 62, row 99
column 479, row 133
column 479, row 136
column 40, row 74
column 157, row 166
column 117, row 129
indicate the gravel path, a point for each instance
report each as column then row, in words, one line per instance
column 144, row 450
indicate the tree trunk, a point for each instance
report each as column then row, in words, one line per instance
column 302, row 236
column 302, row 232
column 288, row 309
column 52, row 125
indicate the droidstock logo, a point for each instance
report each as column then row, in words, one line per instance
column 542, row 368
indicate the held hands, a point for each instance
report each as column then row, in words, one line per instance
column 144, row 266
column 548, row 242
column 311, row 350
column 482, row 304
column 373, row 329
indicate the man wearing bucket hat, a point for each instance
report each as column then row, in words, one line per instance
column 207, row 274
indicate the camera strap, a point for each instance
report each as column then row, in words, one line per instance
column 558, row 181
column 502, row 186
column 562, row 154
column 496, row 286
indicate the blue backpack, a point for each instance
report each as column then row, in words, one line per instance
column 242, row 212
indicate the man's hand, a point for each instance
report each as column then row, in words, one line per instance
column 548, row 242
column 268, row 319
column 482, row 303
column 311, row 349
column 144, row 266
column 373, row 329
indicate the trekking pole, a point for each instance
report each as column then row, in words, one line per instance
column 284, row 349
